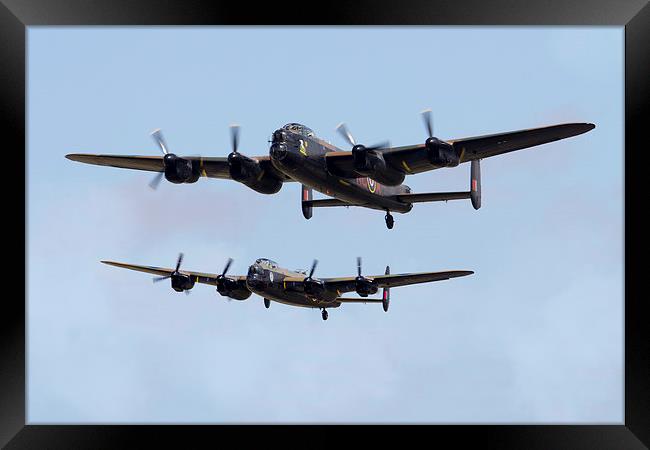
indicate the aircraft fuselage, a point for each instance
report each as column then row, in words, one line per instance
column 269, row 281
column 302, row 158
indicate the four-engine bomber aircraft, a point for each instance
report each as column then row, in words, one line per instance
column 296, row 288
column 366, row 176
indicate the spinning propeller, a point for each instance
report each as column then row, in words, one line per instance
column 432, row 141
column 222, row 280
column 311, row 286
column 359, row 268
column 359, row 152
column 158, row 139
column 313, row 269
column 175, row 169
column 233, row 157
column 222, row 277
column 440, row 153
column 427, row 116
column 176, row 272
column 364, row 286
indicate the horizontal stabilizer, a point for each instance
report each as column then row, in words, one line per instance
column 326, row 202
column 358, row 300
column 432, row 197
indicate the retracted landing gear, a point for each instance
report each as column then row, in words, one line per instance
column 390, row 222
column 324, row 314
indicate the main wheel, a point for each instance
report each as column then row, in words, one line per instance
column 267, row 303
column 324, row 314
column 390, row 222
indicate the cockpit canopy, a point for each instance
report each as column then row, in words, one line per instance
column 300, row 129
column 267, row 263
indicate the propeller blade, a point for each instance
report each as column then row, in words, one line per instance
column 155, row 181
column 187, row 292
column 225, row 269
column 359, row 265
column 180, row 260
column 157, row 279
column 234, row 133
column 313, row 268
column 343, row 130
column 158, row 138
column 428, row 121
column 385, row 144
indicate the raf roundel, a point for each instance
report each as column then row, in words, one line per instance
column 372, row 185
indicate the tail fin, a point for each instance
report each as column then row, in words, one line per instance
column 306, row 196
column 475, row 183
column 385, row 298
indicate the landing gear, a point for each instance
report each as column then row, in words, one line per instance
column 324, row 314
column 390, row 222
column 267, row 303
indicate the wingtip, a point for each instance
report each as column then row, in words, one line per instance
column 110, row 263
column 79, row 157
column 585, row 127
column 464, row 273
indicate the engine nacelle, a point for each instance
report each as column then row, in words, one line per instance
column 314, row 288
column 373, row 165
column 441, row 153
column 180, row 170
column 249, row 172
column 228, row 287
column 365, row 287
column 181, row 282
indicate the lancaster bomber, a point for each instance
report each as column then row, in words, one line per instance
column 365, row 176
column 293, row 287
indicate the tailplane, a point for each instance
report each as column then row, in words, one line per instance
column 474, row 193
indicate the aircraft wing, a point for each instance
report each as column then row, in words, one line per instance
column 496, row 144
column 211, row 167
column 413, row 159
column 347, row 284
column 198, row 277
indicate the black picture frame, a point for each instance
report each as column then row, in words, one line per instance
column 634, row 15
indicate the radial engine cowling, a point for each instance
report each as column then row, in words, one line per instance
column 372, row 164
column 314, row 288
column 181, row 282
column 228, row 287
column 441, row 153
column 365, row 287
column 249, row 172
column 180, row 170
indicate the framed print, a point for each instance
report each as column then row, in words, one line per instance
column 537, row 337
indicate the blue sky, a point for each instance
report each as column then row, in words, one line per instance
column 534, row 336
